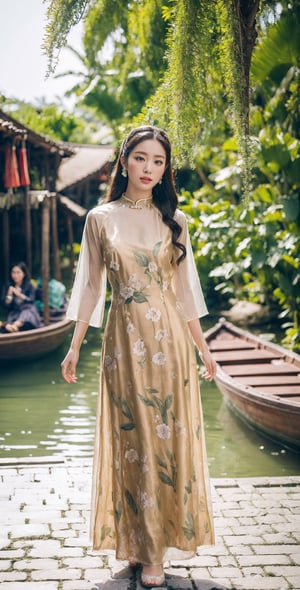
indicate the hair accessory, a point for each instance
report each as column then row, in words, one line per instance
column 124, row 172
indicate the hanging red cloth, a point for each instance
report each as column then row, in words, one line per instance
column 23, row 166
column 11, row 173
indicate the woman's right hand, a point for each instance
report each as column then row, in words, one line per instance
column 68, row 366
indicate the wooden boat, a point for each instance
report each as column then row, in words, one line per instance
column 34, row 343
column 259, row 380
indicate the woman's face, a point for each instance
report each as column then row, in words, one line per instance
column 145, row 166
column 17, row 275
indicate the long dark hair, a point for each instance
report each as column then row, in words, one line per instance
column 164, row 194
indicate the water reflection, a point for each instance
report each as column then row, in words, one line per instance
column 40, row 415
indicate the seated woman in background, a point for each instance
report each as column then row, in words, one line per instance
column 19, row 299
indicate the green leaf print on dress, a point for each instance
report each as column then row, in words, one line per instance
column 162, row 405
column 131, row 502
column 189, row 529
column 169, row 478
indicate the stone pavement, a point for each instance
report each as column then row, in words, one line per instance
column 44, row 543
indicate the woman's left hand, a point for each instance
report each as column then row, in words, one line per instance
column 210, row 365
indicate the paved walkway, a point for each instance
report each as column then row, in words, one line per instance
column 44, row 534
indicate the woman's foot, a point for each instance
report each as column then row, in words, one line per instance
column 153, row 576
column 11, row 328
column 15, row 327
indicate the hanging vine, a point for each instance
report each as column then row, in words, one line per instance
column 204, row 41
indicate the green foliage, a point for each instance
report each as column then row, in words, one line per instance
column 252, row 253
column 61, row 16
column 124, row 45
column 173, row 50
column 51, row 120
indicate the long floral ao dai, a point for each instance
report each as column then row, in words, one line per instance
column 151, row 499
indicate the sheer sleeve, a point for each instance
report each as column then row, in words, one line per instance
column 89, row 290
column 186, row 282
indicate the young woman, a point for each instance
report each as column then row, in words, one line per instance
column 19, row 300
column 151, row 499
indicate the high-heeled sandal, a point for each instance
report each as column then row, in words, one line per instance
column 153, row 581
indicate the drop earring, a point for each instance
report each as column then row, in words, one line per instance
column 160, row 181
column 124, row 172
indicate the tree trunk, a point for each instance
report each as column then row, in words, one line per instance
column 45, row 256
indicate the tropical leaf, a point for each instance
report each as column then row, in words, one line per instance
column 189, row 529
column 146, row 401
column 131, row 502
column 156, row 249
column 161, row 462
column 168, row 401
column 126, row 409
column 128, row 426
column 139, row 297
column 165, row 479
column 141, row 259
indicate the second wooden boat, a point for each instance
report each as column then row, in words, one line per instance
column 259, row 380
column 34, row 343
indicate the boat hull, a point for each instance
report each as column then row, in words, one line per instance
column 277, row 420
column 34, row 343
column 259, row 380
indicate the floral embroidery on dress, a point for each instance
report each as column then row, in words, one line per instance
column 130, row 328
column 111, row 362
column 149, row 394
column 163, row 431
column 159, row 358
column 161, row 334
column 144, row 501
column 139, row 347
column 131, row 455
column 153, row 314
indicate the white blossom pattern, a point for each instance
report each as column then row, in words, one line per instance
column 144, row 500
column 180, row 429
column 110, row 363
column 161, row 334
column 134, row 283
column 131, row 455
column 159, row 358
column 153, row 314
column 126, row 291
column 152, row 266
column 163, row 431
column 139, row 347
column 130, row 328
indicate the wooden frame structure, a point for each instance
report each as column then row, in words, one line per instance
column 18, row 203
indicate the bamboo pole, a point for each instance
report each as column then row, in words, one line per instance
column 6, row 248
column 54, row 233
column 45, row 256
column 28, row 230
column 71, row 241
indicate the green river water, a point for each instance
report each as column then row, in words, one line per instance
column 41, row 416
